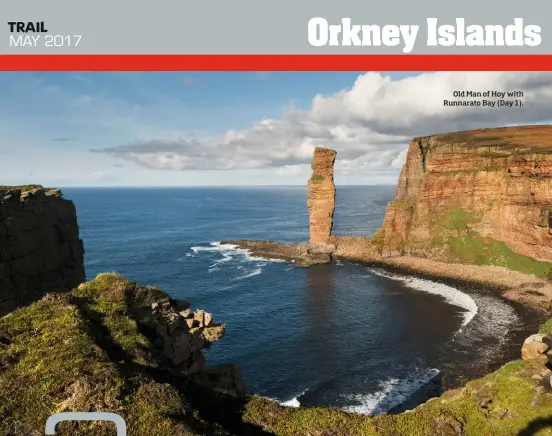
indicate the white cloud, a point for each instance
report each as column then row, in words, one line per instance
column 368, row 124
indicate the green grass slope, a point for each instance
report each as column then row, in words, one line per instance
column 90, row 350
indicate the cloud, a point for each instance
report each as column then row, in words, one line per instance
column 190, row 80
column 369, row 125
column 118, row 166
column 95, row 175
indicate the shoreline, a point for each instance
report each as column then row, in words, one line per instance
column 530, row 318
column 514, row 288
column 511, row 285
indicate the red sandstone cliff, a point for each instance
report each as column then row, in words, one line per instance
column 482, row 196
column 321, row 198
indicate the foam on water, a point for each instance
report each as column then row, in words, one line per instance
column 230, row 253
column 294, row 402
column 392, row 393
column 255, row 272
column 450, row 294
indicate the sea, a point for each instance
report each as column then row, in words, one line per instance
column 343, row 335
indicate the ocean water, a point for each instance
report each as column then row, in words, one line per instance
column 340, row 334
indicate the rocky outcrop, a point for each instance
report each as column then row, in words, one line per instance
column 183, row 334
column 475, row 196
column 321, row 199
column 299, row 254
column 40, row 249
column 534, row 348
column 113, row 345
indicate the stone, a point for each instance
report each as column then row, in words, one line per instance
column 207, row 319
column 182, row 339
column 495, row 183
column 224, row 378
column 174, row 324
column 40, row 247
column 197, row 363
column 533, row 348
column 203, row 318
column 321, row 196
column 214, row 333
column 185, row 313
column 190, row 323
column 160, row 327
column 181, row 355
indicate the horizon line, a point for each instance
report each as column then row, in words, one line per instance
column 209, row 186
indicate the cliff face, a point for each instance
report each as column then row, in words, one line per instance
column 321, row 197
column 484, row 196
column 40, row 249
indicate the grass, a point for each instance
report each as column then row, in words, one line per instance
column 457, row 219
column 317, row 178
column 453, row 233
column 486, row 251
column 508, row 402
column 86, row 351
column 473, row 171
column 502, row 403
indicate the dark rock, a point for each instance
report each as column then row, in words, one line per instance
column 40, row 248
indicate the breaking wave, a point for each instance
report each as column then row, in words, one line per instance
column 228, row 255
column 294, row 402
column 392, row 393
column 451, row 295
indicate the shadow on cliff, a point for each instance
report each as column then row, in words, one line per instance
column 535, row 426
column 224, row 410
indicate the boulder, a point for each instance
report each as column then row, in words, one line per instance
column 533, row 348
column 203, row 318
column 183, row 334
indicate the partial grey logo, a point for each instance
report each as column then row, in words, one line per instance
column 85, row 416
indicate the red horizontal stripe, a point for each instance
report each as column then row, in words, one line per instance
column 405, row 62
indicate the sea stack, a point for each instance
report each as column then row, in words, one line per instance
column 321, row 200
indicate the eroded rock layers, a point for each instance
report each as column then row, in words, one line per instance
column 40, row 248
column 483, row 192
column 321, row 197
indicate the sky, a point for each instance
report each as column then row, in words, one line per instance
column 222, row 128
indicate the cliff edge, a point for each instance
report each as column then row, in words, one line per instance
column 40, row 248
column 480, row 197
column 112, row 345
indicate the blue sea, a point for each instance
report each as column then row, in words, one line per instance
column 342, row 335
